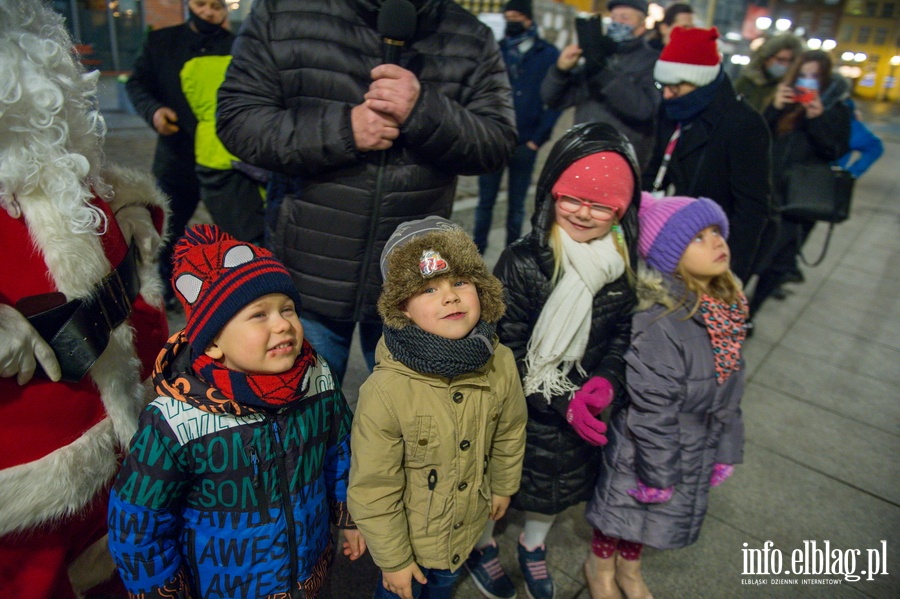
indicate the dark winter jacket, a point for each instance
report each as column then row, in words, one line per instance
column 534, row 120
column 560, row 467
column 723, row 154
column 156, row 82
column 225, row 505
column 623, row 94
column 299, row 67
column 679, row 423
column 822, row 139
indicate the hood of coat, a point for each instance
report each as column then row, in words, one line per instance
column 578, row 142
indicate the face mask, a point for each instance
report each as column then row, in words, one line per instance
column 620, row 32
column 776, row 70
column 203, row 27
column 807, row 82
column 514, row 29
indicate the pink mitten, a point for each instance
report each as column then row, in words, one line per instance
column 593, row 397
column 720, row 474
column 646, row 494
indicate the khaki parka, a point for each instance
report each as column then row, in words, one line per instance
column 428, row 452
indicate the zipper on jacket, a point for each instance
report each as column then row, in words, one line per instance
column 432, row 483
column 373, row 227
column 193, row 567
column 282, row 474
column 258, row 490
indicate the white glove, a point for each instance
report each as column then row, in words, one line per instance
column 135, row 222
column 20, row 344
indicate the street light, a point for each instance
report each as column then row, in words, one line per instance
column 829, row 45
column 763, row 23
column 859, row 57
column 814, row 43
column 783, row 24
column 847, row 56
column 895, row 60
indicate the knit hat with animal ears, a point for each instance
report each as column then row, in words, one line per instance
column 215, row 276
column 425, row 249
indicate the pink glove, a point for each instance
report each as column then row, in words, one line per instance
column 646, row 494
column 593, row 397
column 720, row 474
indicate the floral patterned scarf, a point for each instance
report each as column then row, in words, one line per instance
column 727, row 328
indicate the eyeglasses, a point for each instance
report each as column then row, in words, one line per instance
column 781, row 59
column 598, row 211
column 672, row 88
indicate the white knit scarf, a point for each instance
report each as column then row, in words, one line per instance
column 560, row 335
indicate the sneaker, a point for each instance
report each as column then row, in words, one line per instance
column 488, row 575
column 538, row 584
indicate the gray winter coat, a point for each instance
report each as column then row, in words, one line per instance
column 679, row 423
column 623, row 94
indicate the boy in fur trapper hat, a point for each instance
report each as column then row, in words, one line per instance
column 440, row 423
column 247, row 443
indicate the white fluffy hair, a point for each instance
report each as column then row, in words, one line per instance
column 51, row 131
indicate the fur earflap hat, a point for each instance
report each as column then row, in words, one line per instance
column 669, row 224
column 691, row 56
column 433, row 247
column 215, row 276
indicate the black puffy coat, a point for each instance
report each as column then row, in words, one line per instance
column 299, row 68
column 560, row 467
column 156, row 82
column 723, row 154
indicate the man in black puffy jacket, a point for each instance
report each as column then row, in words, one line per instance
column 371, row 145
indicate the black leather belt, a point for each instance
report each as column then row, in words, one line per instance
column 79, row 330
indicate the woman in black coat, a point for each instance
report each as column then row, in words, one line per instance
column 806, row 128
column 561, row 465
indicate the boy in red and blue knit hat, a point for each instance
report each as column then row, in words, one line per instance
column 234, row 465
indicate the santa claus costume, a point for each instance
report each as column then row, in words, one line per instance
column 66, row 225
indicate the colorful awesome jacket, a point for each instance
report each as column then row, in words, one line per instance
column 220, row 500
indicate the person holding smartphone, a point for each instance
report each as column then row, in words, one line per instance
column 810, row 122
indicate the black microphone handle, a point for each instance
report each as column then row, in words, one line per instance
column 392, row 51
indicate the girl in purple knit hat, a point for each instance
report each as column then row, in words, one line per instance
column 681, row 431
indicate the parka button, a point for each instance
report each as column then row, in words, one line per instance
column 423, row 441
column 465, row 445
column 455, row 559
column 462, row 486
column 458, row 397
column 457, row 526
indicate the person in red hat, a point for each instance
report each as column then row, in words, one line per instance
column 246, row 446
column 711, row 142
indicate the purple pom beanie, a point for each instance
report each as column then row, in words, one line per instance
column 667, row 226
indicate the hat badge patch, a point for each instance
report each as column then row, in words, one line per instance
column 431, row 263
column 190, row 285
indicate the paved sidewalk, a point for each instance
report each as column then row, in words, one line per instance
column 821, row 410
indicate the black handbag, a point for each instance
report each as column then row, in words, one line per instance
column 818, row 192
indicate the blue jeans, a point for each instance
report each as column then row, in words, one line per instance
column 331, row 338
column 521, row 165
column 440, row 585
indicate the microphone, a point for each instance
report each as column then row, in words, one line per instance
column 397, row 24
